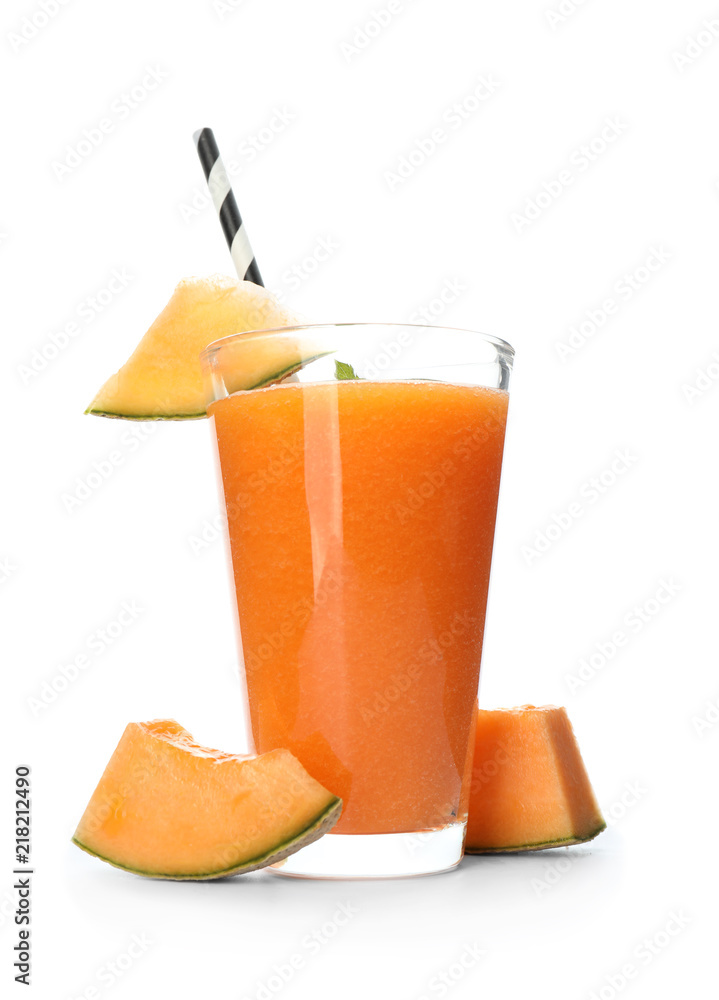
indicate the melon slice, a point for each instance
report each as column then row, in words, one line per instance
column 163, row 379
column 168, row 808
column 530, row 789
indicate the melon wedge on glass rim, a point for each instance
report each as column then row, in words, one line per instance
column 162, row 379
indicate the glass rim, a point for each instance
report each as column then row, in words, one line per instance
column 216, row 345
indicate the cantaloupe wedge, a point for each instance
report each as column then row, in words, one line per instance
column 163, row 379
column 530, row 789
column 168, row 808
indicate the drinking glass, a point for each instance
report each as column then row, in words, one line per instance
column 360, row 466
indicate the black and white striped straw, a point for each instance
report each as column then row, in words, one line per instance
column 224, row 200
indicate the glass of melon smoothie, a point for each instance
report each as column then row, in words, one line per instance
column 360, row 466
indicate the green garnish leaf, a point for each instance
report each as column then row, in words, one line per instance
column 343, row 370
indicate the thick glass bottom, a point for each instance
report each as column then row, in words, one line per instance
column 378, row 855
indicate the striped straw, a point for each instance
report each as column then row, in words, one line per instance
column 229, row 213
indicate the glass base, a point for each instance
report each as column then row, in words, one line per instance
column 377, row 855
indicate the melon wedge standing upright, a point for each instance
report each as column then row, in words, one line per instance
column 530, row 789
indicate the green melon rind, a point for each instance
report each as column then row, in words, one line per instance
column 139, row 416
column 543, row 846
column 322, row 825
column 275, row 377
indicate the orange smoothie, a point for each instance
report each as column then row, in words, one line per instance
column 361, row 519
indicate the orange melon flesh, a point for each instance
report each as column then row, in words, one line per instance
column 168, row 808
column 163, row 380
column 530, row 789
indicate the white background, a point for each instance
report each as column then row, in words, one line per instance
column 553, row 925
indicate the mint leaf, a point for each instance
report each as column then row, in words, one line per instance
column 343, row 370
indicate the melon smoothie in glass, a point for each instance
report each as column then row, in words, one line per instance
column 361, row 488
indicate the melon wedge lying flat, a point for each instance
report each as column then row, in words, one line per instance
column 163, row 380
column 168, row 808
column 530, row 789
